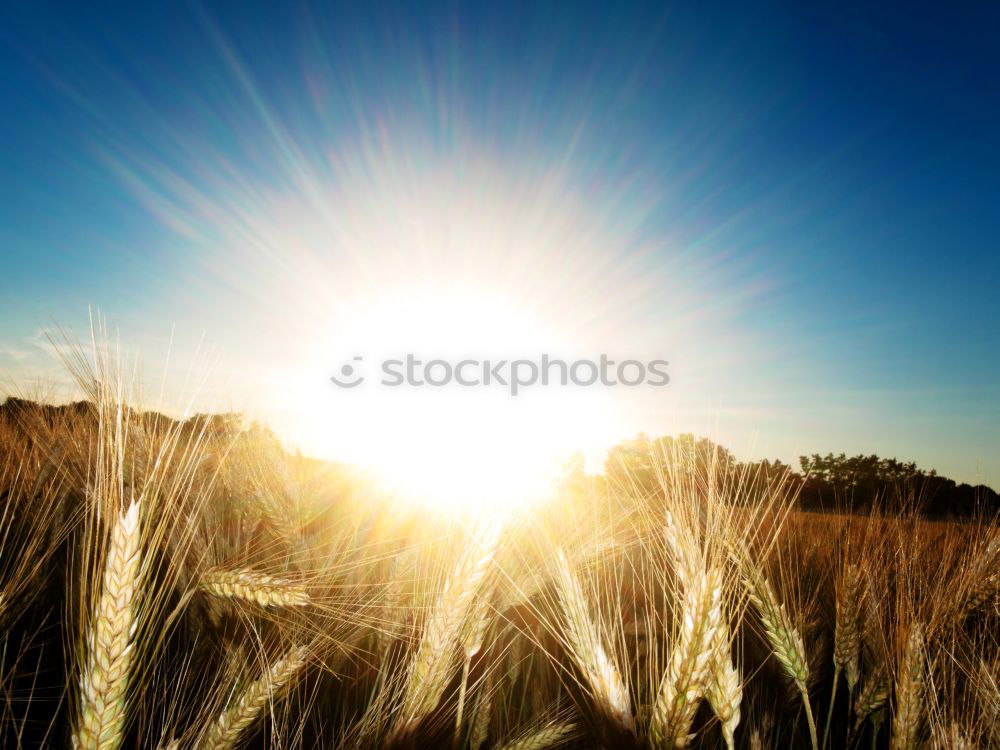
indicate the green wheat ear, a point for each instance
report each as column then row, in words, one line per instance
column 783, row 637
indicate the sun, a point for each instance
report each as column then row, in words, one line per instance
column 447, row 447
column 452, row 257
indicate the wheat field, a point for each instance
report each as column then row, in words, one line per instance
column 168, row 584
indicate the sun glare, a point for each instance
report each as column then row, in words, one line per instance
column 462, row 256
column 451, row 447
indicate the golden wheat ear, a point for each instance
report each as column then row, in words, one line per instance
column 110, row 641
column 984, row 582
column 431, row 668
column 725, row 687
column 846, row 637
column 700, row 664
column 691, row 660
column 603, row 680
column 483, row 713
column 909, row 700
column 252, row 586
column 225, row 731
column 847, row 633
column 543, row 738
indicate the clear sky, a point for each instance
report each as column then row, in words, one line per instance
column 799, row 207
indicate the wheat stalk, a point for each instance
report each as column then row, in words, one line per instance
column 481, row 716
column 846, row 638
column 249, row 585
column 986, row 589
column 783, row 637
column 986, row 693
column 472, row 642
column 691, row 661
column 602, row 676
column 393, row 600
column 431, row 666
column 725, row 688
column 224, row 732
column 543, row 738
column 909, row 692
column 847, row 635
column 104, row 682
column 871, row 699
column 985, row 576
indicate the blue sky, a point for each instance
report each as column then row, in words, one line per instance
column 819, row 185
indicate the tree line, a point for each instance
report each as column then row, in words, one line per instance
column 831, row 482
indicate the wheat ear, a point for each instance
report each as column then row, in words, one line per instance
column 223, row 733
column 393, row 601
column 249, row 585
column 691, row 661
column 602, row 676
column 543, row 738
column 909, row 692
column 481, row 716
column 110, row 641
column 431, row 666
column 783, row 637
column 846, row 638
column 472, row 642
column 986, row 577
column 725, row 688
column 871, row 699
